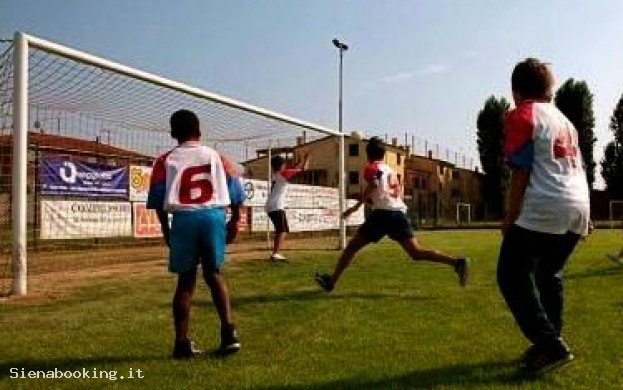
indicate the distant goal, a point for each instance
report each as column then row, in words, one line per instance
column 463, row 213
column 616, row 213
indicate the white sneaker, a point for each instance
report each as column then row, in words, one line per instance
column 278, row 257
column 615, row 257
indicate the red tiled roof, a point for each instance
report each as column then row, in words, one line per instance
column 57, row 142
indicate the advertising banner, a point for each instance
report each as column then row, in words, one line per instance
column 68, row 219
column 62, row 176
column 146, row 224
column 139, row 183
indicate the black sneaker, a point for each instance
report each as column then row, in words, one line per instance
column 542, row 359
column 462, row 270
column 229, row 339
column 183, row 350
column 324, row 281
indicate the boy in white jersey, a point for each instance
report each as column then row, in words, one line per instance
column 388, row 217
column 195, row 184
column 547, row 213
column 275, row 204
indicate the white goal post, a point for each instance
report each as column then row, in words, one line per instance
column 616, row 212
column 467, row 210
column 257, row 123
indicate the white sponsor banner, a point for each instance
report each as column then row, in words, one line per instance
column 67, row 219
column 307, row 219
column 139, row 183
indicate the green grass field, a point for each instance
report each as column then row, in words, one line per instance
column 390, row 324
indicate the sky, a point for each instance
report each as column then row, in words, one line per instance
column 424, row 67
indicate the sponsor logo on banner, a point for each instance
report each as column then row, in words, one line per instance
column 62, row 176
column 139, row 183
column 68, row 219
column 146, row 224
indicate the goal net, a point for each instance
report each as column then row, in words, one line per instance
column 78, row 136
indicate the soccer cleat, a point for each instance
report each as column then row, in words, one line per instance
column 275, row 257
column 324, row 281
column 183, row 350
column 229, row 339
column 539, row 360
column 615, row 257
column 462, row 270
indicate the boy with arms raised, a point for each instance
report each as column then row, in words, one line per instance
column 195, row 184
column 388, row 217
column 275, row 204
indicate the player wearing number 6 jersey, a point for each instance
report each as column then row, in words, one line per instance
column 195, row 184
column 387, row 218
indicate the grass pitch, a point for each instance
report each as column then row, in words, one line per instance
column 390, row 324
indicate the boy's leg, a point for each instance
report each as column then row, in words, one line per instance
column 548, row 277
column 326, row 281
column 280, row 223
column 416, row 252
column 182, row 302
column 516, row 267
column 353, row 246
column 220, row 294
column 278, row 240
column 212, row 259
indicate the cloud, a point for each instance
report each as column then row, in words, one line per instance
column 425, row 71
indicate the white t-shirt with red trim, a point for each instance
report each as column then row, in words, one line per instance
column 538, row 138
column 277, row 197
column 191, row 176
column 386, row 196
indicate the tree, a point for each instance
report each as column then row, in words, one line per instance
column 612, row 164
column 490, row 136
column 575, row 100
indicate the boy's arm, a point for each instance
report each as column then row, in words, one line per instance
column 163, row 218
column 519, row 155
column 288, row 173
column 518, row 184
column 364, row 196
column 155, row 198
column 236, row 200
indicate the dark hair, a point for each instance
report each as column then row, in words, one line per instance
column 184, row 125
column 277, row 162
column 375, row 149
column 532, row 79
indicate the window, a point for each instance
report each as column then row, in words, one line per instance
column 423, row 183
column 353, row 150
column 455, row 175
column 398, row 159
column 353, row 177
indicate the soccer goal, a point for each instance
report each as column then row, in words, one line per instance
column 463, row 213
column 78, row 135
column 616, row 213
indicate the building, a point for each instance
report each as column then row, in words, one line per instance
column 435, row 189
column 323, row 168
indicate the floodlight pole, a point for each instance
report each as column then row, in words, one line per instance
column 342, row 47
column 20, row 164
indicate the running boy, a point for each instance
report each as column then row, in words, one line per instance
column 388, row 217
column 195, row 184
column 275, row 204
column 547, row 212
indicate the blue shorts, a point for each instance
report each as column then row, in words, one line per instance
column 380, row 223
column 197, row 236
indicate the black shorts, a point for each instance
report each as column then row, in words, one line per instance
column 379, row 223
column 279, row 221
